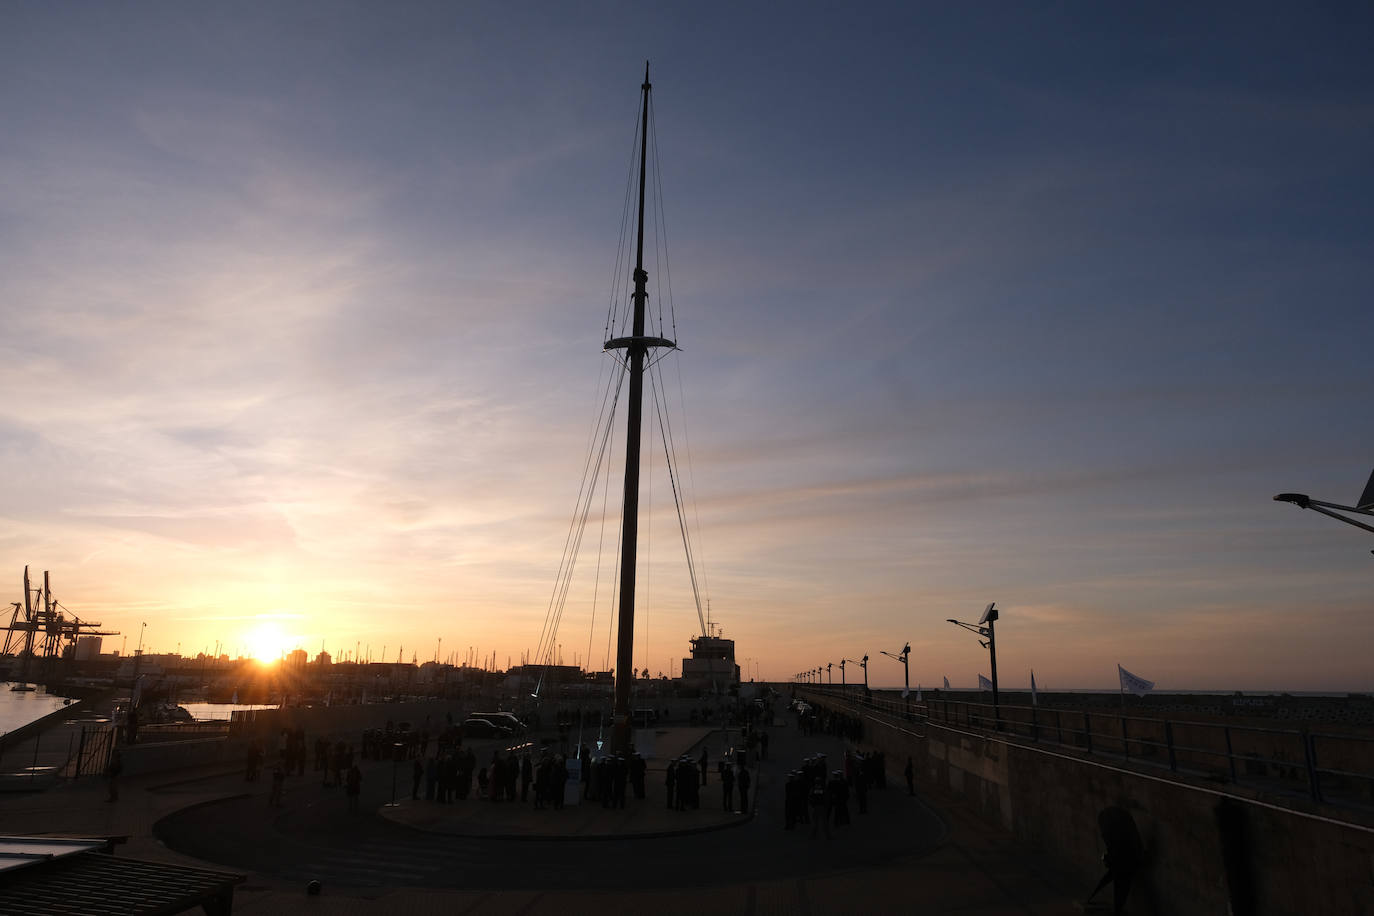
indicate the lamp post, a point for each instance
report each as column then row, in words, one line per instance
column 829, row 675
column 984, row 627
column 906, row 673
column 843, row 689
column 862, row 663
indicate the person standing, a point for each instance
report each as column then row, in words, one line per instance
column 278, row 781
column 727, row 788
column 526, row 775
column 820, row 808
column 743, row 781
column 417, row 772
column 112, row 770
column 354, row 787
column 910, row 773
column 669, row 780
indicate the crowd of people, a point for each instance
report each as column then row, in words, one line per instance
column 813, row 797
column 445, row 770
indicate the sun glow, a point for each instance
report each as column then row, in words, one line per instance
column 267, row 642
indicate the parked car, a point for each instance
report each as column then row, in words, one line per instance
column 508, row 719
column 474, row 727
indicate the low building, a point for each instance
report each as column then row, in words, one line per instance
column 711, row 668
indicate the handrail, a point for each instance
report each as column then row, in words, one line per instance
column 1270, row 759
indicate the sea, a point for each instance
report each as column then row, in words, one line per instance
column 19, row 708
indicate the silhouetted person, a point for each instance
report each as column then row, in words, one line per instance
column 910, row 773
column 743, row 781
column 417, row 772
column 727, row 788
column 820, row 808
column 112, row 771
column 278, row 782
column 354, row 787
column 1123, row 856
column 669, row 780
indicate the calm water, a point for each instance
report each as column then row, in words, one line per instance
column 210, row 712
column 18, row 709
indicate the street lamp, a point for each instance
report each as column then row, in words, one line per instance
column 1365, row 505
column 830, row 675
column 989, row 618
column 906, row 672
column 862, row 663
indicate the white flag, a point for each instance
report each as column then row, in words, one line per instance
column 1035, row 701
column 946, row 683
column 1133, row 683
column 984, row 683
column 906, row 692
column 918, row 694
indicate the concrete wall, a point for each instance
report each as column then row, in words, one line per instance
column 1287, row 861
column 161, row 756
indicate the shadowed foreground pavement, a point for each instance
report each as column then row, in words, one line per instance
column 482, row 857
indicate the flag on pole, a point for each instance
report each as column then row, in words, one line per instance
column 906, row 692
column 1135, row 684
column 1035, row 701
column 984, row 683
column 918, row 694
column 946, row 683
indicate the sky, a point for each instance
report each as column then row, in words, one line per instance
column 302, row 305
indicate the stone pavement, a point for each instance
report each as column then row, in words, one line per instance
column 908, row 855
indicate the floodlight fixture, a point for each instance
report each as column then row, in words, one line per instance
column 1363, row 506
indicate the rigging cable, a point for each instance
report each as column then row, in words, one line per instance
column 665, row 431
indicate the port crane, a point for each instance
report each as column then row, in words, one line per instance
column 41, row 627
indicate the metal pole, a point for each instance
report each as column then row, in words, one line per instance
column 906, row 677
column 992, row 655
column 620, row 732
column 1313, row 776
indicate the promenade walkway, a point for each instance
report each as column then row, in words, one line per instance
column 906, row 855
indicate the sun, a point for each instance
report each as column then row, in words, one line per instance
column 267, row 642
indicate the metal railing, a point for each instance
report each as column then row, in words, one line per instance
column 1336, row 769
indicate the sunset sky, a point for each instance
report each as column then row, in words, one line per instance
column 302, row 304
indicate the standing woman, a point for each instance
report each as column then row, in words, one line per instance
column 355, row 787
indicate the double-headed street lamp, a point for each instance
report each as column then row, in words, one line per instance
column 984, row 628
column 906, row 672
column 830, row 675
column 862, row 663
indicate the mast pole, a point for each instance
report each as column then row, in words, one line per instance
column 620, row 734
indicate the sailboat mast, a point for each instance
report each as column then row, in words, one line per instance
column 636, row 349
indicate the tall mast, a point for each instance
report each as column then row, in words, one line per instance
column 637, row 346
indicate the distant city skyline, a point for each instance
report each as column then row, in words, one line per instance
column 301, row 309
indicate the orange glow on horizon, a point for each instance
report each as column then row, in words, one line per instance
column 267, row 642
